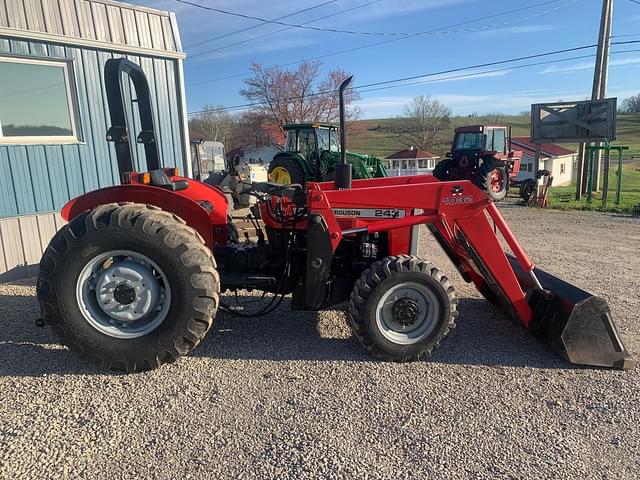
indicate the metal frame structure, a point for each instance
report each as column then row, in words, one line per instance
column 114, row 71
column 592, row 151
column 590, row 120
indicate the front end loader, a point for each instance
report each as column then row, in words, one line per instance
column 134, row 279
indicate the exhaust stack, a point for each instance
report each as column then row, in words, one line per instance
column 343, row 169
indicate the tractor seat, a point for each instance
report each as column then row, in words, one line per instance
column 159, row 178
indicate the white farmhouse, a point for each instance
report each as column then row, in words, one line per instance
column 412, row 161
column 558, row 160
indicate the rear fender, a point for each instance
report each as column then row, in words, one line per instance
column 297, row 159
column 185, row 204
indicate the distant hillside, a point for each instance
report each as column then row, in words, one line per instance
column 382, row 137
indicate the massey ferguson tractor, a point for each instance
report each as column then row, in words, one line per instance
column 311, row 153
column 134, row 280
column 483, row 155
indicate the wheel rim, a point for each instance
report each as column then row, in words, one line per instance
column 528, row 190
column 408, row 313
column 281, row 175
column 496, row 181
column 123, row 294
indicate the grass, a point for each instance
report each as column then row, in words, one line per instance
column 564, row 197
column 383, row 137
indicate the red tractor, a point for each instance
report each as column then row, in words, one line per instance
column 134, row 279
column 483, row 155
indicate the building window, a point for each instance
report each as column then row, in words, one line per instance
column 562, row 168
column 37, row 104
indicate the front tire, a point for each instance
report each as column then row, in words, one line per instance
column 285, row 171
column 401, row 308
column 128, row 287
column 442, row 170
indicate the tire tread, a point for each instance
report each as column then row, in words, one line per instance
column 180, row 239
column 376, row 274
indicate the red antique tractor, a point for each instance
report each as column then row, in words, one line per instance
column 483, row 155
column 134, row 279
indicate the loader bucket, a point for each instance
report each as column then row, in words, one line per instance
column 574, row 322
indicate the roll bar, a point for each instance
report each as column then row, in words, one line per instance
column 119, row 130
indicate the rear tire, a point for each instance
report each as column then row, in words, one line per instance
column 493, row 179
column 401, row 308
column 97, row 253
column 285, row 171
column 528, row 189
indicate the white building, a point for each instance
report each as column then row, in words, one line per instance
column 54, row 111
column 560, row 161
column 254, row 154
column 411, row 161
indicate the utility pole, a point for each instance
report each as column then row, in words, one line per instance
column 598, row 92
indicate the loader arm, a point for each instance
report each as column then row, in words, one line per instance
column 459, row 212
column 466, row 223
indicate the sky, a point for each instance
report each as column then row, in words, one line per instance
column 219, row 45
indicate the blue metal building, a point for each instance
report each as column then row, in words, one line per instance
column 53, row 109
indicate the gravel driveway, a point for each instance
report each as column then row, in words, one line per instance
column 295, row 396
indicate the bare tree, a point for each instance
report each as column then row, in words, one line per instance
column 427, row 118
column 295, row 96
column 253, row 127
column 212, row 124
column 495, row 118
column 631, row 104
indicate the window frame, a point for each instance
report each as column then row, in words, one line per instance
column 465, row 135
column 503, row 140
column 72, row 103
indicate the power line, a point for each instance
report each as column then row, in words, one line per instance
column 435, row 31
column 497, row 70
column 258, row 25
column 384, row 42
column 431, row 74
column 224, row 47
column 307, row 27
column 635, row 1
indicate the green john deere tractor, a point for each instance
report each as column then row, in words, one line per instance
column 311, row 153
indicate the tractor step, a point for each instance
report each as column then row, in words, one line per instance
column 239, row 280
